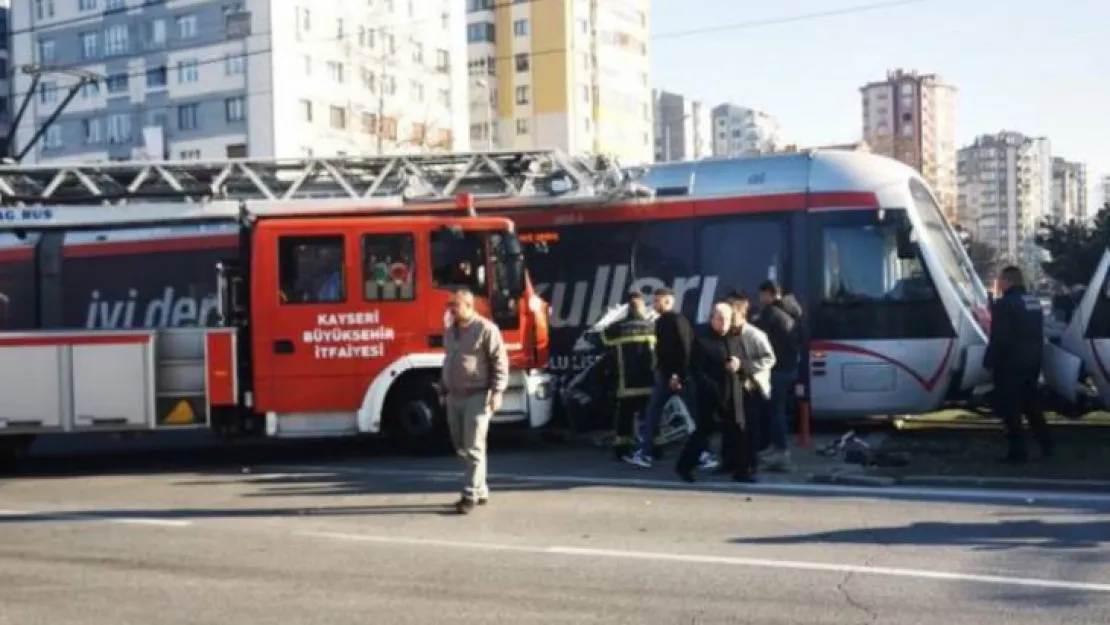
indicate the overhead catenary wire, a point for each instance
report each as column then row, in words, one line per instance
column 391, row 29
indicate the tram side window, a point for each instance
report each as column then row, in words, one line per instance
column 864, row 265
column 388, row 267
column 310, row 270
column 459, row 260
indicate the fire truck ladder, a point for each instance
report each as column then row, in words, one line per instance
column 36, row 196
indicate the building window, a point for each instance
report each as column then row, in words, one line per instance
column 90, row 128
column 521, row 126
column 157, row 77
column 44, row 9
column 523, row 62
column 47, row 51
column 417, row 53
column 482, row 32
column 119, row 128
column 53, row 138
column 48, row 92
column 235, row 64
column 236, row 150
column 389, row 85
column 338, row 116
column 520, row 28
column 187, row 71
column 443, row 60
column 388, row 267
column 306, row 110
column 522, row 94
column 235, row 109
column 417, row 91
column 336, row 71
column 86, row 5
column 190, row 155
column 90, row 90
column 368, row 81
column 89, row 47
column 187, row 116
column 186, row 27
column 369, row 123
column 116, row 40
column 111, row 5
column 156, row 34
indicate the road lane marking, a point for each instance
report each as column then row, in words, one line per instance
column 885, row 492
column 763, row 563
column 92, row 517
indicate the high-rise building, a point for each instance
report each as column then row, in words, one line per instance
column 912, row 117
column 741, row 131
column 210, row 79
column 6, row 104
column 1005, row 190
column 1104, row 189
column 1069, row 191
column 682, row 128
column 567, row 74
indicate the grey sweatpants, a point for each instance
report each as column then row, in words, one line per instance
column 468, row 419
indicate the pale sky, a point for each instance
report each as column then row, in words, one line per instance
column 1038, row 67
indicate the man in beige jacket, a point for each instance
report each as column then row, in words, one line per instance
column 475, row 376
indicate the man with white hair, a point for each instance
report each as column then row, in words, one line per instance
column 716, row 369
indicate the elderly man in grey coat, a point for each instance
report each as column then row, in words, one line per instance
column 757, row 359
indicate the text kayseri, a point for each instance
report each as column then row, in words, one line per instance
column 169, row 310
column 583, row 303
column 343, row 336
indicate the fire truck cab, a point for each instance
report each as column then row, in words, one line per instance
column 341, row 321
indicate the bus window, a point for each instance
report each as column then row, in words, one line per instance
column 388, row 267
column 459, row 260
column 310, row 270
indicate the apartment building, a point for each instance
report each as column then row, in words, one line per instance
column 741, row 131
column 1005, row 190
column 566, row 74
column 1104, row 194
column 682, row 128
column 210, row 79
column 1069, row 191
column 911, row 117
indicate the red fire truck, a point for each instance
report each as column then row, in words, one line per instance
column 332, row 317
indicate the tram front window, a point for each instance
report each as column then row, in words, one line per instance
column 873, row 282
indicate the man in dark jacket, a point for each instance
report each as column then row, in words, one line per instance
column 716, row 363
column 1014, row 354
column 630, row 344
column 673, row 339
column 781, row 319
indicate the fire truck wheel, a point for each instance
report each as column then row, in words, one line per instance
column 416, row 419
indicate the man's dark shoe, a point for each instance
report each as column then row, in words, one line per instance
column 464, row 505
column 483, row 501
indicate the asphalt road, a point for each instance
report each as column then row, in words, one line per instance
column 568, row 538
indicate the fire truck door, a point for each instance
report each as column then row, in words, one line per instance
column 306, row 339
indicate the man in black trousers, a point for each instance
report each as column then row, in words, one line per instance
column 1014, row 357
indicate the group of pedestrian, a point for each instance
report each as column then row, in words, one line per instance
column 726, row 376
column 735, row 377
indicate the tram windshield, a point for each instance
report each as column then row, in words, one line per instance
column 946, row 246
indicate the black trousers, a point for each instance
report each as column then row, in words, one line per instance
column 740, row 441
column 625, row 426
column 1016, row 395
column 736, row 455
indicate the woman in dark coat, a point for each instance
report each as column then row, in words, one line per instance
column 715, row 368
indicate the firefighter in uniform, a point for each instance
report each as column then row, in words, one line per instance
column 1014, row 354
column 630, row 344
